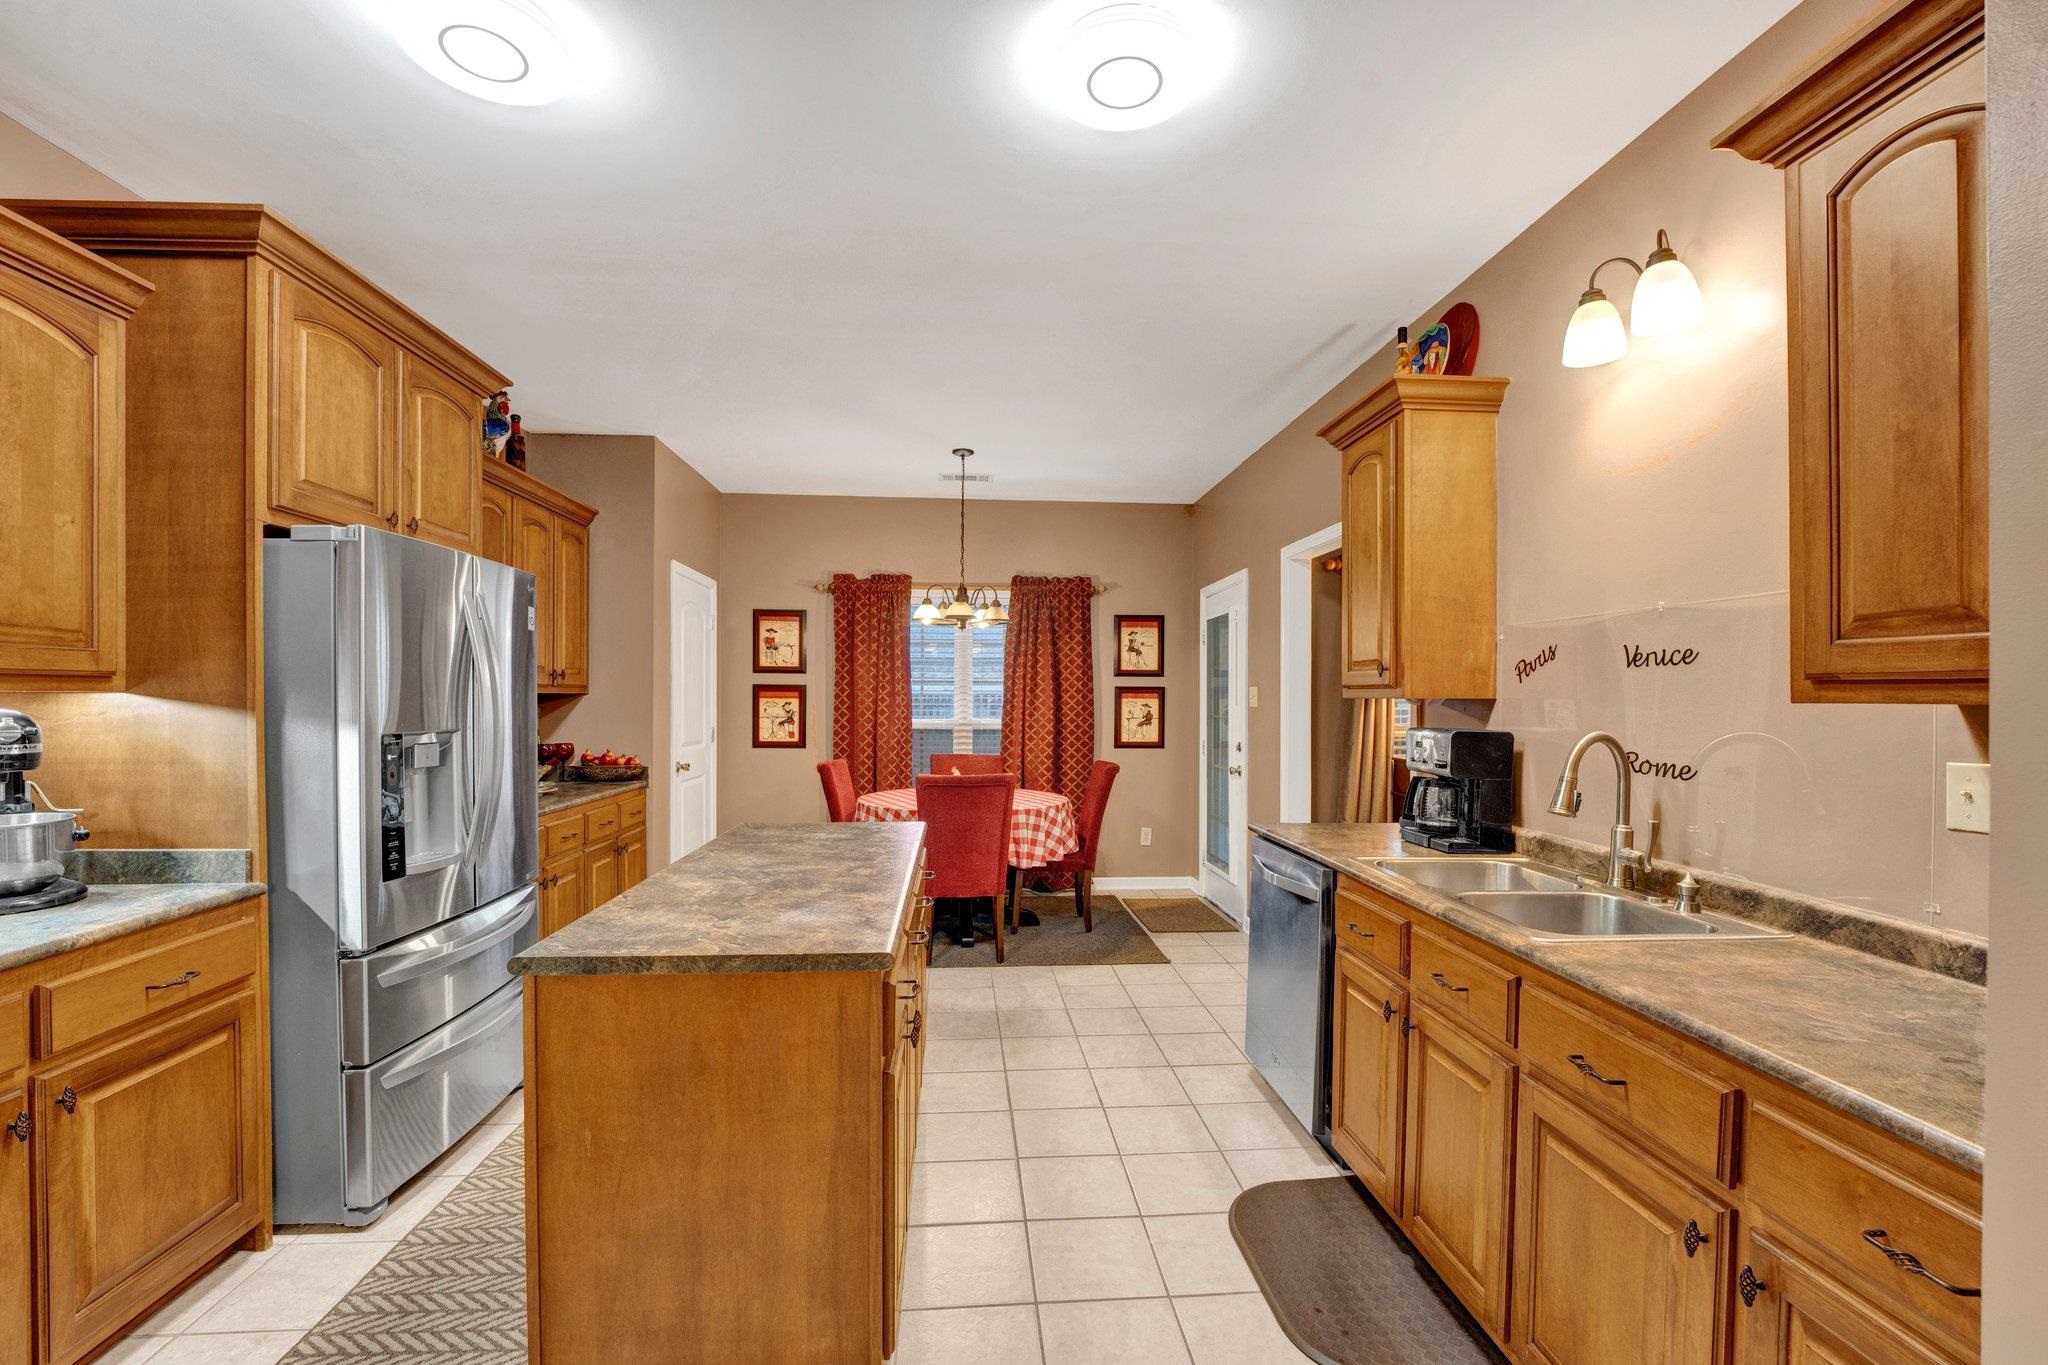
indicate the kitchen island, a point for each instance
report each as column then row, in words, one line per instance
column 722, row 1071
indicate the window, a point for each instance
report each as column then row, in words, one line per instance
column 956, row 691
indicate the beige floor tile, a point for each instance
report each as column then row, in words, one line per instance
column 1261, row 1165
column 1044, row 996
column 1159, row 994
column 1129, row 1086
column 468, row 1154
column 944, row 999
column 1116, row 1332
column 412, row 1203
column 1224, row 941
column 1147, row 974
column 1051, row 1023
column 1023, row 976
column 1182, row 948
column 1111, row 1050
column 1229, row 1018
column 1084, row 976
column 960, row 1265
column 131, row 1350
column 1198, row 1049
column 1234, row 1329
column 292, row 1290
column 233, row 1348
column 511, row 1111
column 1181, row 1019
column 1072, row 1089
column 1097, row 1022
column 1237, row 954
column 965, row 1137
column 1076, row 1187
column 1004, row 1335
column 963, row 1092
column 1197, row 973
column 1106, row 996
column 1181, row 1182
column 181, row 1312
column 963, row 1024
column 1042, row 1054
column 1093, row 1258
column 963, row 978
column 1164, row 1128
column 962, row 1054
column 1197, row 1254
column 1264, row 1124
column 1234, row 1084
column 1220, row 994
column 1062, row 1132
column 965, row 1192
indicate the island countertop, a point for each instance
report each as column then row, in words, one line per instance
column 1896, row 1046
column 760, row 898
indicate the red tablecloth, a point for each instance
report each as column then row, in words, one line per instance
column 1041, row 823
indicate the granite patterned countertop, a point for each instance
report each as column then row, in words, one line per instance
column 1893, row 1045
column 118, row 899
column 573, row 793
column 760, row 898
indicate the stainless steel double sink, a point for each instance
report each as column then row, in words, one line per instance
column 1552, row 905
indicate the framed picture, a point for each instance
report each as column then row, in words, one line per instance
column 779, row 641
column 1141, row 646
column 779, row 715
column 1141, row 718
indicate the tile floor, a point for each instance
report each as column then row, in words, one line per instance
column 1083, row 1131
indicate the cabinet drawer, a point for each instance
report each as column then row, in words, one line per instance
column 633, row 810
column 13, row 1035
column 79, row 1008
column 1838, row 1200
column 1458, row 983
column 600, row 822
column 1370, row 929
column 561, row 834
column 1631, row 1082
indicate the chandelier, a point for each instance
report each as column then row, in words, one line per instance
column 961, row 606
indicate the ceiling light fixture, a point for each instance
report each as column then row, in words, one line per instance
column 505, row 51
column 1125, row 65
column 1667, row 299
column 962, row 606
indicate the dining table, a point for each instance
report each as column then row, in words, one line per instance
column 1042, row 830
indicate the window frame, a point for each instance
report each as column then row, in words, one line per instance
column 963, row 723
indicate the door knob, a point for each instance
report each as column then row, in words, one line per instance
column 1237, row 770
column 682, row 767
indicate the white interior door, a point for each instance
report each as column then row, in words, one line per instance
column 693, row 725
column 1223, row 845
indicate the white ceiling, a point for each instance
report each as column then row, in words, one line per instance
column 815, row 244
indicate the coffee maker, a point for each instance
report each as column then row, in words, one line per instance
column 1461, row 791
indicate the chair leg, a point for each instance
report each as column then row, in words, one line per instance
column 1084, row 887
column 1015, row 896
column 998, row 918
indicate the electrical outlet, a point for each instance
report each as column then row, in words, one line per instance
column 1969, row 797
column 1145, row 836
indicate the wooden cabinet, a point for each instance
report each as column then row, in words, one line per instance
column 1882, row 145
column 63, row 338
column 440, row 457
column 1616, row 1257
column 902, row 1088
column 561, row 892
column 336, row 454
column 572, row 606
column 17, row 1235
column 494, row 524
column 632, row 857
column 1368, row 1067
column 1792, row 1312
column 1419, row 530
column 549, row 537
column 1459, row 1155
column 600, row 873
column 590, row 853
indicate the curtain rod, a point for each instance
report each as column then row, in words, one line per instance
column 1095, row 589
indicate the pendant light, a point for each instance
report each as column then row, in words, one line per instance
column 1667, row 299
column 960, row 606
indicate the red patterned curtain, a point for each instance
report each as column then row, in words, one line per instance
column 871, row 678
column 1049, row 684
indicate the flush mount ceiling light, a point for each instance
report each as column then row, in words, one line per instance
column 506, row 51
column 1125, row 65
column 1667, row 299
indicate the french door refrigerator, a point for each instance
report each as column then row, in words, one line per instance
column 399, row 712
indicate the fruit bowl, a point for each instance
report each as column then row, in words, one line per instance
column 610, row 772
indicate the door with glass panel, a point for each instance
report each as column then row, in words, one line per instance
column 956, row 691
column 1222, row 850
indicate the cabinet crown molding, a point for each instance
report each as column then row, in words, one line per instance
column 1886, row 55
column 43, row 255
column 535, row 490
column 1415, row 393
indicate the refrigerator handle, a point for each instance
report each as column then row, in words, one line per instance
column 483, row 649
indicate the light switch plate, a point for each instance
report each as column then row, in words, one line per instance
column 1251, row 696
column 1969, row 797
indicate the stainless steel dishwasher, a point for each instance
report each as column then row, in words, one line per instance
column 1287, row 1000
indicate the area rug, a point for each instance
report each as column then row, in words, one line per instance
column 453, row 1291
column 1180, row 915
column 1344, row 1284
column 1057, row 940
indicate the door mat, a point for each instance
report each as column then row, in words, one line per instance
column 1057, row 940
column 1180, row 915
column 1343, row 1282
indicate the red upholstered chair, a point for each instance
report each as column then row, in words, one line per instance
column 947, row 765
column 1081, row 862
column 967, row 838
column 839, row 793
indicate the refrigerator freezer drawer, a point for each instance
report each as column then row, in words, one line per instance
column 406, row 991
column 409, row 1108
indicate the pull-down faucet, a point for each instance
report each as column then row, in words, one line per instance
column 1622, row 858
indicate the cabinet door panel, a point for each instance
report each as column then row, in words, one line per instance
column 61, row 484
column 1797, row 1315
column 533, row 549
column 494, row 524
column 632, row 855
column 336, row 455
column 17, row 1320
column 442, row 458
column 1369, row 560
column 600, row 873
column 1367, row 1066
column 1461, row 1106
column 572, row 605
column 561, row 893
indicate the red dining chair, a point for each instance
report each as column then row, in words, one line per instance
column 967, row 838
column 1081, row 862
column 839, row 794
column 948, row 765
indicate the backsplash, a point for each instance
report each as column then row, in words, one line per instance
column 1842, row 803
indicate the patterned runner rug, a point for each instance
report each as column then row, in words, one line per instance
column 1180, row 915
column 453, row 1292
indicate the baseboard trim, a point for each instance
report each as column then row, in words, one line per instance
column 1180, row 885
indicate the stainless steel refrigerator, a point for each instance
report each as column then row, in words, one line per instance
column 399, row 710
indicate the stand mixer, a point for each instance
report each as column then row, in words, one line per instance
column 32, row 842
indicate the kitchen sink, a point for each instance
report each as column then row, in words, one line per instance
column 1455, row 876
column 1574, row 916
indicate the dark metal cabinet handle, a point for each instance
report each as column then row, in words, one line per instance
column 1908, row 1262
column 391, row 520
column 1578, row 1059
column 185, row 980
column 1407, row 1026
column 916, row 1027
column 1358, row 931
column 412, row 527
column 1386, row 1009
column 21, row 1125
column 1438, row 977
column 1749, row 1286
column 913, row 985
column 1694, row 1238
column 921, row 937
column 68, row 1101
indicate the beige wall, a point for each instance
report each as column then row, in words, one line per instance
column 774, row 548
column 652, row 509
column 1329, row 737
column 33, row 167
column 1648, row 497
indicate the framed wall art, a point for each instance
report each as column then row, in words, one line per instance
column 1141, row 718
column 1141, row 646
column 780, row 715
column 779, row 641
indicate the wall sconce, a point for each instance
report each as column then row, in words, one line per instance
column 1667, row 299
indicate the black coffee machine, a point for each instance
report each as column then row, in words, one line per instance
column 1461, row 791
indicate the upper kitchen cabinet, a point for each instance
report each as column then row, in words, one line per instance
column 63, row 321
column 1419, row 527
column 1882, row 145
column 537, row 527
column 335, row 453
column 441, row 476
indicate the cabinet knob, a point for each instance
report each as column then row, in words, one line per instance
column 1386, row 1009
column 21, row 1125
column 1694, row 1238
column 391, row 520
column 68, row 1101
column 1749, row 1286
column 916, row 1027
column 1407, row 1026
column 412, row 526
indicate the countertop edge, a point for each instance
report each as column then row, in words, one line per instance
column 597, row 791
column 1950, row 1147
column 161, row 903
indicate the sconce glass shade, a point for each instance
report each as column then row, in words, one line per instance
column 959, row 611
column 927, row 612
column 1595, row 335
column 1667, row 297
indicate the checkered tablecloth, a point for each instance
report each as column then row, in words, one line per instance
column 1041, row 823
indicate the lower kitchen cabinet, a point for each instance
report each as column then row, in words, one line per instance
column 902, row 1088
column 1368, row 1066
column 1794, row 1313
column 600, row 873
column 590, row 854
column 561, row 892
column 17, row 1241
column 1616, row 1258
column 1459, row 1157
